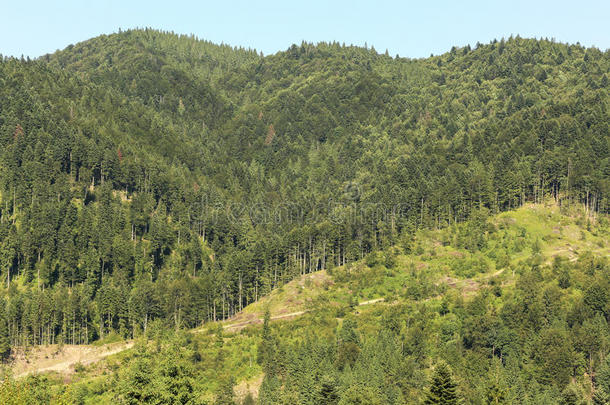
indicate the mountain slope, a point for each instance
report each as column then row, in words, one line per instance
column 146, row 176
column 488, row 303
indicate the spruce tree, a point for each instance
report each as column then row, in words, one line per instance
column 443, row 388
column 496, row 392
column 5, row 343
column 270, row 390
column 225, row 394
column 266, row 347
column 570, row 396
column 600, row 397
column 328, row 390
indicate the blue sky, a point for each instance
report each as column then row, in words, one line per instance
column 408, row 28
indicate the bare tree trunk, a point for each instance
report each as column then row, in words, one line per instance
column 240, row 291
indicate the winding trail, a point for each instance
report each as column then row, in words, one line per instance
column 64, row 361
column 49, row 359
column 240, row 325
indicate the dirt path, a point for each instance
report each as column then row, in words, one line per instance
column 49, row 358
column 371, row 301
column 240, row 325
column 44, row 359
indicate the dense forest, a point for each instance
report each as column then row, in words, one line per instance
column 504, row 309
column 148, row 177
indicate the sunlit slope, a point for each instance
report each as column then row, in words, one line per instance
column 435, row 261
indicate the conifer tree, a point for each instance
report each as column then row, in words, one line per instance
column 443, row 388
column 5, row 343
column 600, row 397
column 328, row 390
column 496, row 393
column 266, row 347
column 348, row 347
column 225, row 394
column 496, row 390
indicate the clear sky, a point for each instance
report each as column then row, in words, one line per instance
column 408, row 28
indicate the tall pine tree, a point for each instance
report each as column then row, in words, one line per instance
column 443, row 388
column 5, row 343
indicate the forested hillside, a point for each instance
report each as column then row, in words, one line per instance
column 149, row 176
column 505, row 309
